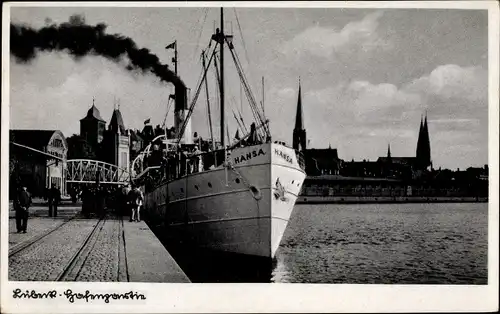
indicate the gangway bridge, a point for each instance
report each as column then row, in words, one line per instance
column 84, row 171
column 95, row 171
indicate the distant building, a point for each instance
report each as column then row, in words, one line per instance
column 92, row 127
column 115, row 148
column 401, row 166
column 365, row 168
column 136, row 143
column 38, row 171
column 317, row 161
column 327, row 162
column 111, row 145
column 322, row 161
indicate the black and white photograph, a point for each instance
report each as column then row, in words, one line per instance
column 258, row 144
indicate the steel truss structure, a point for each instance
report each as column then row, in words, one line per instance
column 94, row 171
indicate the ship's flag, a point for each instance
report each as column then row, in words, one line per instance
column 147, row 121
column 172, row 45
column 237, row 135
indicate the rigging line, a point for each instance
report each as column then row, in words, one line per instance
column 169, row 104
column 255, row 106
column 233, row 103
column 243, row 122
column 243, row 42
column 238, row 122
column 245, row 79
column 200, row 78
column 235, row 107
column 242, row 73
column 248, row 92
column 242, row 38
column 201, row 31
column 195, row 98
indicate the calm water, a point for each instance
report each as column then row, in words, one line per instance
column 385, row 243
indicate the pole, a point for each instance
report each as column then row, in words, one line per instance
column 208, row 102
column 175, row 56
column 263, row 108
column 222, row 77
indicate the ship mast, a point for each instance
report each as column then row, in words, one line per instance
column 222, row 38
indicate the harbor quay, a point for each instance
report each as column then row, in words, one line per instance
column 96, row 249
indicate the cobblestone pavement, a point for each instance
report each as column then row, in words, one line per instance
column 46, row 259
column 36, row 227
column 103, row 262
column 90, row 250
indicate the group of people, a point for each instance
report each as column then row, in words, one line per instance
column 123, row 200
column 132, row 200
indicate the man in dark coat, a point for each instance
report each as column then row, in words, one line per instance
column 54, row 199
column 22, row 204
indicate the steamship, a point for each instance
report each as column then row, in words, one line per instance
column 230, row 197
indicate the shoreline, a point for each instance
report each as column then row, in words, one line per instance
column 386, row 199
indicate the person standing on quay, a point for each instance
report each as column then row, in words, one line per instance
column 125, row 200
column 54, row 199
column 22, row 204
column 136, row 200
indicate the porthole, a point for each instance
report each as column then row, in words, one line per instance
column 293, row 181
column 237, row 181
column 209, row 184
column 196, row 187
column 182, row 190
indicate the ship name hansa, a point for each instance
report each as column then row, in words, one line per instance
column 283, row 155
column 249, row 156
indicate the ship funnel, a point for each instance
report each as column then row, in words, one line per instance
column 181, row 110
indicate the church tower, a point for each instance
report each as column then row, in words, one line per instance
column 423, row 157
column 299, row 133
column 92, row 127
column 117, row 141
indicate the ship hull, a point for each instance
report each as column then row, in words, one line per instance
column 243, row 210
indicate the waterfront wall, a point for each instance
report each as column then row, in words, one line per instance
column 315, row 199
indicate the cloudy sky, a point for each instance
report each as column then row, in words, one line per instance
column 367, row 75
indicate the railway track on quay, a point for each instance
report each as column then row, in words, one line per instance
column 76, row 250
column 75, row 266
column 26, row 244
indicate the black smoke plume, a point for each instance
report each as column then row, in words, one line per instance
column 79, row 39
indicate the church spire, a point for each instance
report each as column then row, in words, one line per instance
column 423, row 155
column 299, row 133
column 427, row 143
column 299, row 121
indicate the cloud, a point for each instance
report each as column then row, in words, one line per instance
column 359, row 115
column 451, row 81
column 324, row 42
